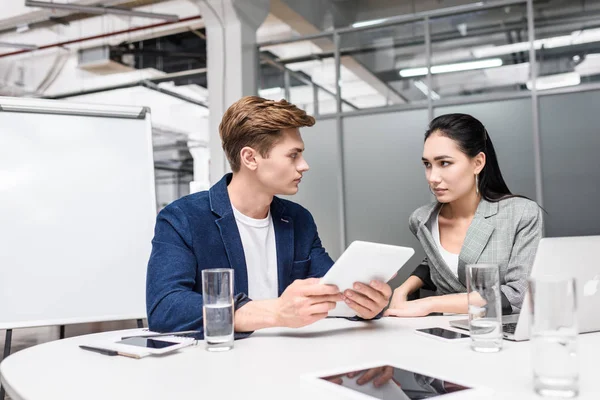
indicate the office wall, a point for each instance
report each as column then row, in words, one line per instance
column 319, row 187
column 510, row 127
column 570, row 136
column 384, row 179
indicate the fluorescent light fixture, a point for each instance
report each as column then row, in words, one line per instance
column 362, row 24
column 425, row 90
column 35, row 106
column 271, row 91
column 456, row 67
column 556, row 81
column 22, row 28
column 576, row 37
column 100, row 10
column 22, row 46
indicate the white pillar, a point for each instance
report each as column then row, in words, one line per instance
column 232, row 68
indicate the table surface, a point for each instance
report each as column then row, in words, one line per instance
column 282, row 362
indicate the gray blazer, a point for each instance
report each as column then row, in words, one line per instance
column 506, row 233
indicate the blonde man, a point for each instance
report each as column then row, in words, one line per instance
column 271, row 243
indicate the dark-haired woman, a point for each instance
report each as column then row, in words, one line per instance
column 475, row 219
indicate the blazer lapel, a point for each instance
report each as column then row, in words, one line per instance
column 426, row 239
column 221, row 206
column 478, row 235
column 284, row 243
column 235, row 251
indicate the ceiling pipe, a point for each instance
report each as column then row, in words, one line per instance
column 103, row 35
column 100, row 10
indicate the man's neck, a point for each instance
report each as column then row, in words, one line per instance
column 248, row 196
column 463, row 208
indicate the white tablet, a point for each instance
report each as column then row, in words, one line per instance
column 364, row 262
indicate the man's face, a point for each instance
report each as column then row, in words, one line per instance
column 281, row 171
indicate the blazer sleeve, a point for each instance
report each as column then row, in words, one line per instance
column 172, row 304
column 321, row 262
column 424, row 273
column 528, row 235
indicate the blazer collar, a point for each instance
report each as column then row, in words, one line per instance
column 220, row 203
column 485, row 209
column 219, row 198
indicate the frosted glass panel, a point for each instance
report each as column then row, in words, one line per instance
column 570, row 131
column 385, row 180
column 319, row 188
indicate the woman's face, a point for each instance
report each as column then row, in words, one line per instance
column 449, row 172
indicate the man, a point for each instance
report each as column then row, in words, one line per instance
column 271, row 243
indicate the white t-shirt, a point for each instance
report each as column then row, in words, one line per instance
column 258, row 241
column 451, row 259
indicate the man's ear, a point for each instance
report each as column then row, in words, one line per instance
column 480, row 160
column 248, row 158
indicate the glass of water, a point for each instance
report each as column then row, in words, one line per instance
column 485, row 307
column 217, row 292
column 554, row 336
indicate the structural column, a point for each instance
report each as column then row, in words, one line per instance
column 231, row 70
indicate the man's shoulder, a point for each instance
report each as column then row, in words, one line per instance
column 192, row 204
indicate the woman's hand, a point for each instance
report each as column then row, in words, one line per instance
column 403, row 308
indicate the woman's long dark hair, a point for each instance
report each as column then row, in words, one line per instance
column 472, row 138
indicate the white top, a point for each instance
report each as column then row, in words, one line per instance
column 451, row 259
column 277, row 363
column 258, row 241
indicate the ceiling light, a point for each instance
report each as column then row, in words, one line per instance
column 362, row 24
column 456, row 67
column 22, row 46
column 425, row 90
column 270, row 91
column 22, row 28
column 576, row 37
column 100, row 10
column 556, row 81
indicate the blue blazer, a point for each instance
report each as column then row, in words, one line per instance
column 199, row 231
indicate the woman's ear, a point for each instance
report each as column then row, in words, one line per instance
column 479, row 162
column 248, row 158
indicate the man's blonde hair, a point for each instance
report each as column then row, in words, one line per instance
column 256, row 122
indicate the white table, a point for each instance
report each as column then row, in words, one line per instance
column 274, row 364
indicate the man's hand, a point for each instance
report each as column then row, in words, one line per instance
column 304, row 302
column 368, row 300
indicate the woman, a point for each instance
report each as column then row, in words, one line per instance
column 475, row 219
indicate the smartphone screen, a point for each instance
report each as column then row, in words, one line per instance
column 147, row 342
column 444, row 333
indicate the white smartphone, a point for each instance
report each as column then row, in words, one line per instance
column 443, row 334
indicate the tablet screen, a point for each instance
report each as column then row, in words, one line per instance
column 391, row 383
column 147, row 343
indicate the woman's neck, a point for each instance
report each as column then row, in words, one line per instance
column 462, row 208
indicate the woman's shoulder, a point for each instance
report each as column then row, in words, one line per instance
column 520, row 207
column 421, row 213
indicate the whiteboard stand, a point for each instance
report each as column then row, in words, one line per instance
column 8, row 339
column 112, row 185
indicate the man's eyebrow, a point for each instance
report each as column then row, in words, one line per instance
column 296, row 149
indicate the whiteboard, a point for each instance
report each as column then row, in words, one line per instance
column 77, row 212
